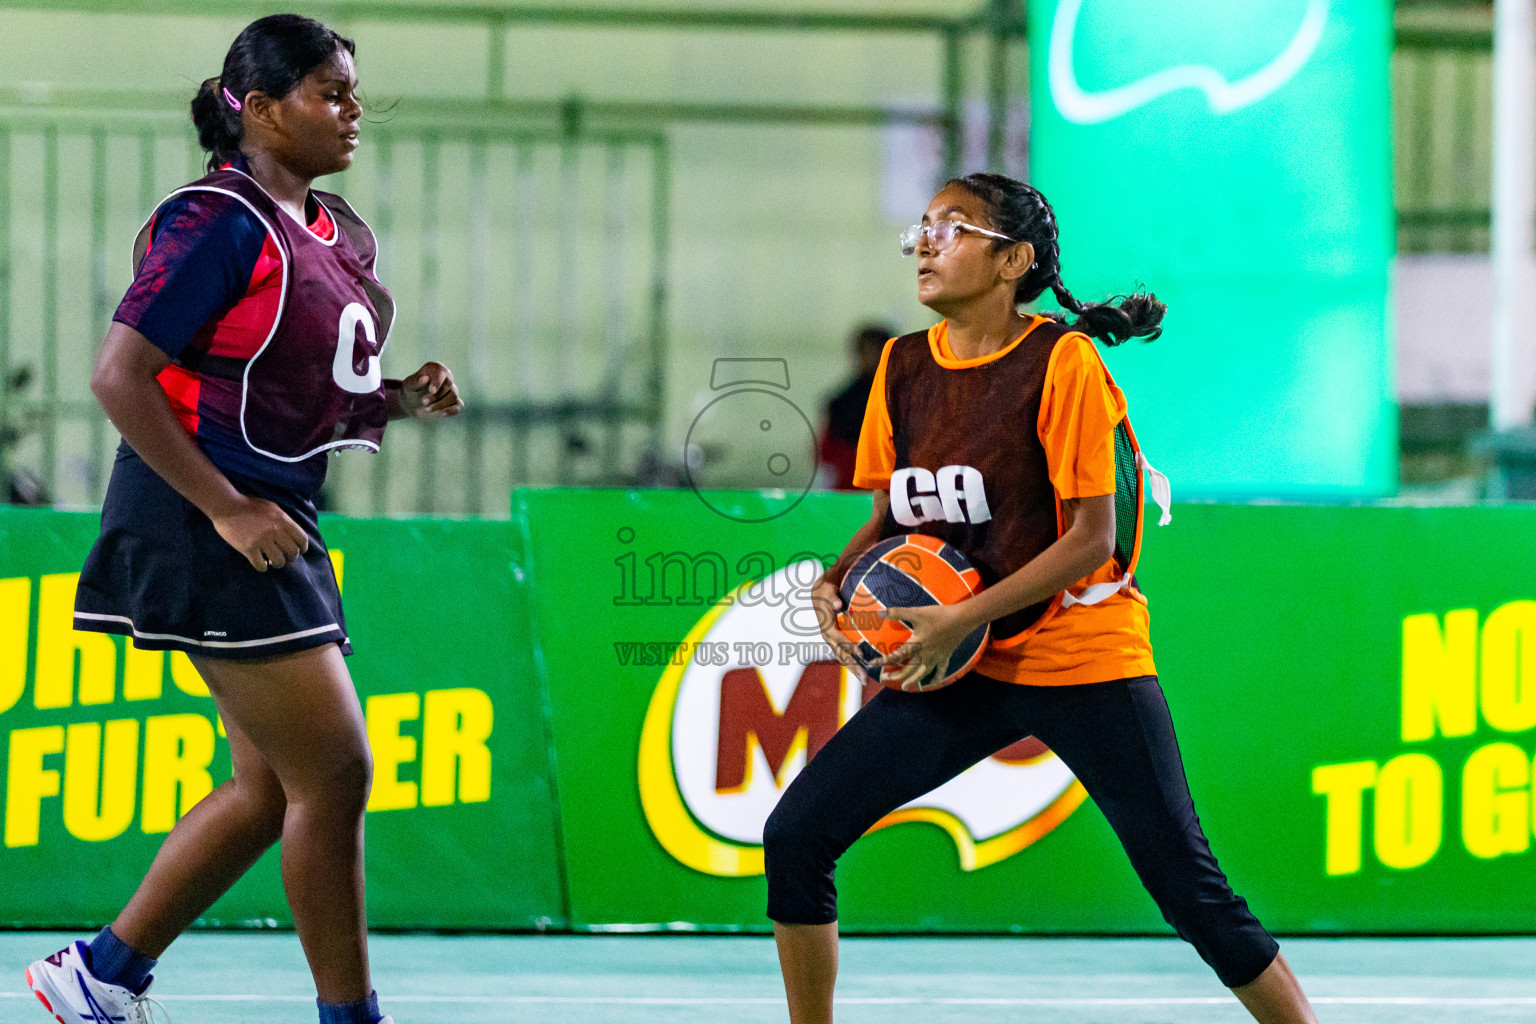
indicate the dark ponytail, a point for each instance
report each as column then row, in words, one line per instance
column 1022, row 213
column 218, row 124
column 271, row 56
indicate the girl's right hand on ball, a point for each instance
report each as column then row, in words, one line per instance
column 827, row 601
column 262, row 532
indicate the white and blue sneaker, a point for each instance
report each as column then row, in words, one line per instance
column 65, row 986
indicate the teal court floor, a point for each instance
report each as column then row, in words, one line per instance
column 243, row 978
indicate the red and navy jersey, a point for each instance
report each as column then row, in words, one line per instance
column 260, row 318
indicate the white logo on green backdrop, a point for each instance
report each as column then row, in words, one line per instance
column 1083, row 107
column 1234, row 158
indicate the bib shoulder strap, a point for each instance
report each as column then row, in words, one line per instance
column 362, row 238
column 1051, row 330
column 906, row 350
column 227, row 181
column 350, row 224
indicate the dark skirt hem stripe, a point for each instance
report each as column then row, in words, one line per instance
column 240, row 650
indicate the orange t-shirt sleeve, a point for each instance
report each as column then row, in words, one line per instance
column 1079, row 411
column 876, row 458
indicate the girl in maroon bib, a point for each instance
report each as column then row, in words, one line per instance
column 246, row 350
column 312, row 382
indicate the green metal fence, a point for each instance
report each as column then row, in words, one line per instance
column 1000, row 23
column 567, row 382
column 1442, row 88
column 549, row 283
column 548, row 286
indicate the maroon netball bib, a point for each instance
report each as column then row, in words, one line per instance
column 315, row 383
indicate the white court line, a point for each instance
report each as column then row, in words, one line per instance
column 1467, row 1001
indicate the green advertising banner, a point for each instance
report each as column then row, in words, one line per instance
column 1236, row 160
column 1355, row 692
column 106, row 745
column 582, row 717
column 1358, row 723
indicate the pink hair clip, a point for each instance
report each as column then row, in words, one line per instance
column 229, row 98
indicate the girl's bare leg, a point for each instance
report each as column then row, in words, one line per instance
column 808, row 958
column 1275, row 997
column 207, row 851
column 302, row 770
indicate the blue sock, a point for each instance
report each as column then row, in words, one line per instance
column 365, row 1012
column 115, row 962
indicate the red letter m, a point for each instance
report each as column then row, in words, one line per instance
column 746, row 713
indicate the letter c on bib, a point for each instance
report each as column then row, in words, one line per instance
column 342, row 372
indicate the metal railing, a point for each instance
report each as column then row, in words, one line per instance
column 570, row 377
column 1000, row 22
column 562, row 352
column 1442, row 100
column 567, row 375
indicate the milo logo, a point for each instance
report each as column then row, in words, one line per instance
column 730, row 726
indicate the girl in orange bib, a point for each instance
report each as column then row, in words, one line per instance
column 1003, row 434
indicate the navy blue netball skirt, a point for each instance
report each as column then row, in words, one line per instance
column 161, row 574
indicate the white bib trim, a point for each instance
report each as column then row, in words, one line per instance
column 1162, row 494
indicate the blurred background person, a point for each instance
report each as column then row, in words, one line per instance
column 844, row 412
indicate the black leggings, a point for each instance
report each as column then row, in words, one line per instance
column 1117, row 738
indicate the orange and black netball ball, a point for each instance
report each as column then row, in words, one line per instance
column 907, row 571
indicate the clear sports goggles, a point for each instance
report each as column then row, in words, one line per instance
column 942, row 235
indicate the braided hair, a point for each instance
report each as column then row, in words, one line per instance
column 1022, row 213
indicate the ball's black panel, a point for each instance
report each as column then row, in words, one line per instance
column 885, row 581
